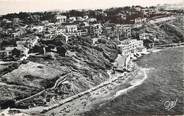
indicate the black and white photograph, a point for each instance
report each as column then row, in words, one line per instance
column 91, row 57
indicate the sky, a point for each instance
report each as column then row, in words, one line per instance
column 11, row 6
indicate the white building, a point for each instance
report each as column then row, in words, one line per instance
column 91, row 20
column 61, row 19
column 127, row 29
column 140, row 20
column 130, row 46
column 72, row 19
column 61, row 30
column 85, row 17
column 96, row 30
column 71, row 28
column 80, row 19
column 38, row 28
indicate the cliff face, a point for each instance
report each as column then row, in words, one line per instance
column 74, row 67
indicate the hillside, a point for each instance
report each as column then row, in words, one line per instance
column 165, row 32
column 69, row 67
column 83, row 66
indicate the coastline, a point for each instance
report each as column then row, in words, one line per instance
column 157, row 49
column 136, row 82
column 117, row 85
column 122, row 84
column 164, row 83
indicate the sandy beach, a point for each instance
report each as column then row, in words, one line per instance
column 164, row 83
column 134, row 83
column 119, row 86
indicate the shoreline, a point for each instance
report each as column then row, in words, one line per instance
column 124, row 82
column 120, row 86
column 100, row 92
column 145, row 71
column 134, row 84
column 154, row 92
column 157, row 49
column 86, row 100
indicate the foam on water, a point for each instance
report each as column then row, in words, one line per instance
column 134, row 83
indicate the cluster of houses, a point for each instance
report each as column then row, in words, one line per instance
column 78, row 26
column 117, row 31
column 20, row 49
column 68, row 26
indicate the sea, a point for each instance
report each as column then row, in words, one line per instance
column 162, row 93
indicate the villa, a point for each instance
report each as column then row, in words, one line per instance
column 61, row 19
column 130, row 46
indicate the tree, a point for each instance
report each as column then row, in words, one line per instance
column 61, row 50
column 16, row 52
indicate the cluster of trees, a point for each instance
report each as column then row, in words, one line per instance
column 58, row 43
column 36, row 17
column 110, row 15
column 31, row 18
